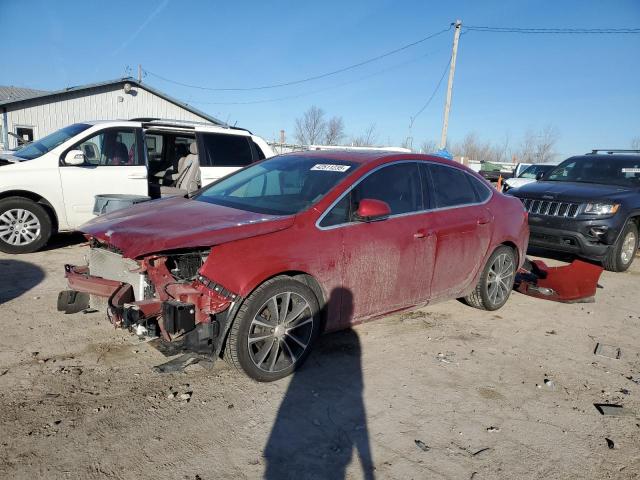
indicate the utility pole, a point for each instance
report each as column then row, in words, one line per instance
column 452, row 71
column 139, row 73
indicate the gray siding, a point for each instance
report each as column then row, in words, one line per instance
column 51, row 113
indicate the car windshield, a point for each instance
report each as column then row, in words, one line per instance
column 48, row 143
column 533, row 170
column 603, row 169
column 282, row 185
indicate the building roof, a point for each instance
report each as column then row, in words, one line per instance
column 29, row 94
column 11, row 93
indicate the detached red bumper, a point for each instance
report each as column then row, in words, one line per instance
column 80, row 281
column 573, row 283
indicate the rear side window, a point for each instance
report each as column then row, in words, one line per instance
column 451, row 187
column 483, row 192
column 221, row 150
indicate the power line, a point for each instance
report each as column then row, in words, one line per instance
column 313, row 92
column 308, row 79
column 433, row 94
column 563, row 31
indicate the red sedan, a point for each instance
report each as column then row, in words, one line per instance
column 256, row 265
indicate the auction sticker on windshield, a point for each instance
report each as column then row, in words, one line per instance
column 330, row 168
column 631, row 170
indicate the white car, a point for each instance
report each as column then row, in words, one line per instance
column 528, row 175
column 50, row 185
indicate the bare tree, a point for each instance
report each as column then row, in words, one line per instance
column 367, row 139
column 635, row 143
column 334, row 131
column 428, row 146
column 311, row 128
column 545, row 148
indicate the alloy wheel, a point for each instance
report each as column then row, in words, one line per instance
column 500, row 278
column 280, row 332
column 628, row 249
column 19, row 227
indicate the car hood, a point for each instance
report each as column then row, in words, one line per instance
column 571, row 191
column 177, row 223
column 518, row 182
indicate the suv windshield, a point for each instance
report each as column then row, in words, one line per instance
column 48, row 143
column 279, row 186
column 604, row 169
column 533, row 170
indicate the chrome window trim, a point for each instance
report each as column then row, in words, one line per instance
column 406, row 214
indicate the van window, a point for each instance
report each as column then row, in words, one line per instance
column 221, row 150
column 112, row 147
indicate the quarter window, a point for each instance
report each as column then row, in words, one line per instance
column 115, row 147
column 451, row 186
column 221, row 150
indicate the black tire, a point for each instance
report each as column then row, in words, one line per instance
column 284, row 354
column 481, row 297
column 8, row 207
column 618, row 258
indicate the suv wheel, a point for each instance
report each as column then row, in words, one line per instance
column 496, row 281
column 25, row 226
column 621, row 254
column 274, row 330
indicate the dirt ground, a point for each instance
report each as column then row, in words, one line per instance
column 443, row 392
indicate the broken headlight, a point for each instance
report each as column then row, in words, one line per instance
column 601, row 208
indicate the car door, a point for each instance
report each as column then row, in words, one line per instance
column 383, row 262
column 461, row 225
column 114, row 163
column 222, row 153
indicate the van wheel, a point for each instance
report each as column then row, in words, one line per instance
column 274, row 330
column 496, row 281
column 621, row 254
column 25, row 226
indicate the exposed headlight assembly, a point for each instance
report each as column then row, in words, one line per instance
column 601, row 208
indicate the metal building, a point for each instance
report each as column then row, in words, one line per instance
column 31, row 114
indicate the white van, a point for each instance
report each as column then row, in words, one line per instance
column 50, row 184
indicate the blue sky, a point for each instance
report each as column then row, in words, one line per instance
column 588, row 86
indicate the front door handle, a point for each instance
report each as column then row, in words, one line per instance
column 138, row 176
column 422, row 233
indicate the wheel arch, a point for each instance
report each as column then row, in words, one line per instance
column 510, row 244
column 298, row 275
column 39, row 199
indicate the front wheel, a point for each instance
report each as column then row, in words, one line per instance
column 274, row 330
column 620, row 255
column 496, row 281
column 25, row 226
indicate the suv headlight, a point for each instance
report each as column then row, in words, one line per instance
column 601, row 208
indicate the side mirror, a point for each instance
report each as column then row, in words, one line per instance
column 74, row 158
column 539, row 176
column 371, row 210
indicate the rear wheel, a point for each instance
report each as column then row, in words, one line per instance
column 25, row 226
column 496, row 281
column 621, row 254
column 274, row 330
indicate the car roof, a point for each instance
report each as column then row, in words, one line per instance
column 371, row 156
column 613, row 156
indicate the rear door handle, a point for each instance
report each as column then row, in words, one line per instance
column 484, row 220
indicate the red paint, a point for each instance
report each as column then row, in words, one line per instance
column 575, row 282
column 382, row 266
column 371, row 208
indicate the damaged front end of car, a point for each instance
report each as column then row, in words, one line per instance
column 158, row 295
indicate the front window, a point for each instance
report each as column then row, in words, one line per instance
column 48, row 143
column 113, row 147
column 278, row 186
column 598, row 169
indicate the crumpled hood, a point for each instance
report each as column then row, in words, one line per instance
column 177, row 223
